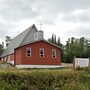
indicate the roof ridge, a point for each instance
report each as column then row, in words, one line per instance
column 33, row 26
column 38, row 41
column 23, row 31
column 16, row 41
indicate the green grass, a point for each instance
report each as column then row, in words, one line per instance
column 44, row 79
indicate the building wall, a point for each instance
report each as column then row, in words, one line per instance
column 18, row 56
column 35, row 58
column 8, row 58
column 12, row 57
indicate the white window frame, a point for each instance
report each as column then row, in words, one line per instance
column 27, row 52
column 52, row 53
column 40, row 52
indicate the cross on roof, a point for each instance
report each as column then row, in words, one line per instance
column 40, row 25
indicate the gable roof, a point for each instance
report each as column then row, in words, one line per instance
column 38, row 41
column 17, row 41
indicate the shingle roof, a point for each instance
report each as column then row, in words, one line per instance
column 17, row 41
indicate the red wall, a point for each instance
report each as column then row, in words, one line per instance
column 35, row 59
column 11, row 57
column 18, row 56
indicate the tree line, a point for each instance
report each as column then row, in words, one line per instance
column 74, row 47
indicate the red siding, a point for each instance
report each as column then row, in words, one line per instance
column 12, row 57
column 18, row 56
column 35, row 59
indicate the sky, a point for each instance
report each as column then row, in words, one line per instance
column 64, row 18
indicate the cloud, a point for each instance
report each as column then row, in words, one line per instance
column 79, row 32
column 49, row 10
column 7, row 29
column 16, row 10
column 71, row 15
column 80, row 15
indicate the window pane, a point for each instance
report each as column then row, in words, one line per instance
column 41, row 52
column 28, row 52
column 53, row 53
column 41, row 55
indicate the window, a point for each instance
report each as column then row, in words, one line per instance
column 41, row 52
column 54, row 53
column 28, row 52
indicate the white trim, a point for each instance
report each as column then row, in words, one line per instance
column 40, row 53
column 52, row 53
column 8, row 61
column 38, row 66
column 12, row 62
column 2, row 59
column 5, row 59
column 28, row 53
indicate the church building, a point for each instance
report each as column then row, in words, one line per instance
column 30, row 49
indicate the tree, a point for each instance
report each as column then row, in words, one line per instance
column 82, row 45
column 1, row 48
column 8, row 39
column 76, row 48
column 57, row 42
column 52, row 38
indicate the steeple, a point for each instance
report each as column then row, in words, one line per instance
column 39, row 34
column 40, row 25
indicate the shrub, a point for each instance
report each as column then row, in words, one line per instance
column 45, row 80
column 79, row 68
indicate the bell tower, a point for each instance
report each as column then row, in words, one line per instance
column 38, row 35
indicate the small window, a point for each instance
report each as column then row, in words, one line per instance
column 41, row 52
column 53, row 53
column 28, row 52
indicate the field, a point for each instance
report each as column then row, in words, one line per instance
column 44, row 79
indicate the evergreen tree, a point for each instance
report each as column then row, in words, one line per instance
column 52, row 38
column 55, row 41
column 8, row 39
column 58, row 41
column 1, row 48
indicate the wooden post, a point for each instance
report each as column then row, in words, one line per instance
column 74, row 63
column 89, row 62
